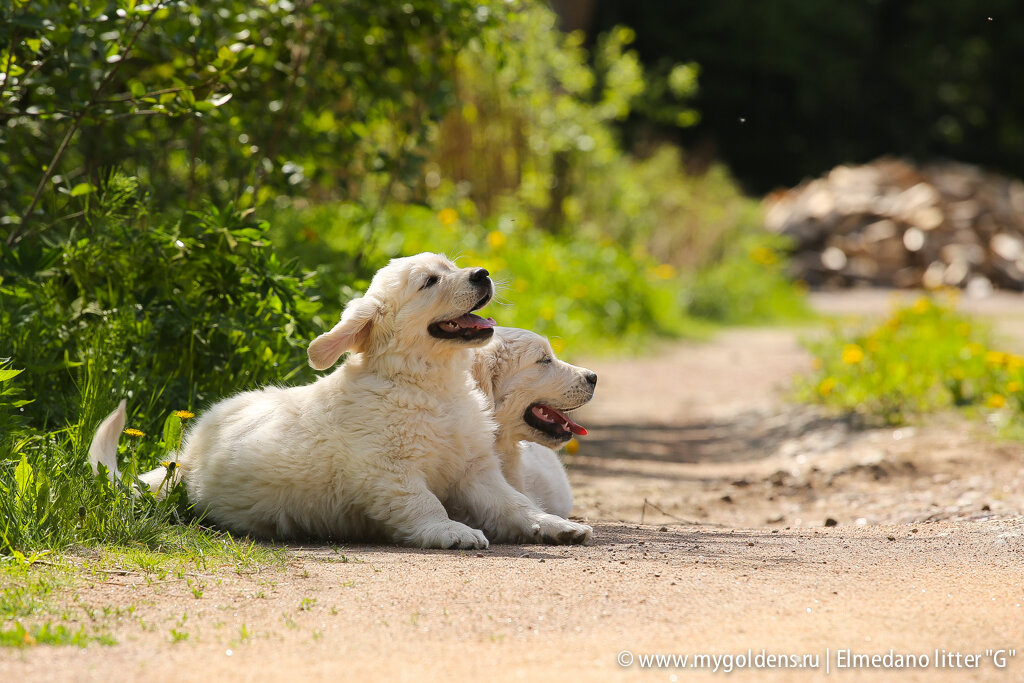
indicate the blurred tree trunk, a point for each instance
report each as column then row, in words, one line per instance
column 573, row 15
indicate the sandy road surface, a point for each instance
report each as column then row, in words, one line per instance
column 927, row 558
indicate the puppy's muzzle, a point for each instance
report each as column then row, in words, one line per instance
column 469, row 327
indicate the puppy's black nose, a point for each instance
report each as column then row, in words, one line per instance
column 478, row 275
column 592, row 378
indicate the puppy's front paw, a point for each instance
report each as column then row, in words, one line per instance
column 450, row 535
column 557, row 531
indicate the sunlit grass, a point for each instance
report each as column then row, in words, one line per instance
column 61, row 525
column 19, row 635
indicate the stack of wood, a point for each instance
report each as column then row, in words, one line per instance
column 892, row 223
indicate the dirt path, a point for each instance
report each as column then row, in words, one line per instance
column 712, row 442
column 733, row 556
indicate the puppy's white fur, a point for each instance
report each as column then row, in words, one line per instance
column 518, row 369
column 395, row 444
column 544, row 479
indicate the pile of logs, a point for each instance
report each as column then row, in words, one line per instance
column 892, row 223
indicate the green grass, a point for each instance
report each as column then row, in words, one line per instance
column 50, row 500
column 923, row 358
column 27, row 594
column 19, row 635
column 38, row 601
column 31, row 590
column 60, row 525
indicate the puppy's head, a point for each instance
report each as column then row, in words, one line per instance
column 530, row 389
column 418, row 305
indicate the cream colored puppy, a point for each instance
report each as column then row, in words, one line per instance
column 396, row 443
column 530, row 391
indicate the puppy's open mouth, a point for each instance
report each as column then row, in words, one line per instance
column 552, row 422
column 467, row 327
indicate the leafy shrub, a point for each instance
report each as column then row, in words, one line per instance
column 598, row 248
column 173, row 314
column 747, row 284
column 533, row 147
column 534, row 122
column 12, row 402
column 223, row 100
column 587, row 294
column 924, row 357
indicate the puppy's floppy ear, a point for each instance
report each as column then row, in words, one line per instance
column 485, row 367
column 350, row 334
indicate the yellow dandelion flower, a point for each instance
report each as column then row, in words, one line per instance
column 664, row 272
column 852, row 354
column 131, row 431
column 996, row 401
column 573, row 447
column 546, row 312
column 996, row 358
column 1013, row 387
column 1014, row 362
column 826, row 386
column 447, row 217
column 557, row 345
column 496, row 239
column 763, row 256
column 184, row 414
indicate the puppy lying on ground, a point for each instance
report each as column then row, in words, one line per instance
column 396, row 443
column 531, row 390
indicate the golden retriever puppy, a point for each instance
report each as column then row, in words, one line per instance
column 396, row 443
column 531, row 391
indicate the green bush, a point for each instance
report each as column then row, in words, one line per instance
column 533, row 149
column 924, row 357
column 586, row 294
column 226, row 101
column 172, row 315
column 747, row 284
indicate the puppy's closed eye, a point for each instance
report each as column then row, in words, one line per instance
column 430, row 282
column 546, row 360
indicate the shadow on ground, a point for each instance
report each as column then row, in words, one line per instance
column 744, row 437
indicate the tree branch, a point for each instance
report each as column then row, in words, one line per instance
column 62, row 148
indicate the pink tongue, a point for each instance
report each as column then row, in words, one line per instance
column 474, row 322
column 559, row 415
column 575, row 428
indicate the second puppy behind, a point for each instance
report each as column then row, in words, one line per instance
column 531, row 391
